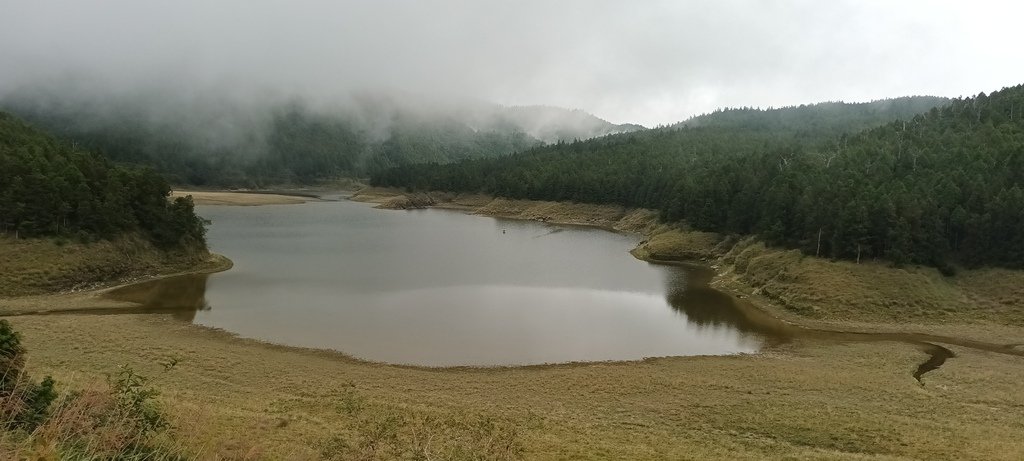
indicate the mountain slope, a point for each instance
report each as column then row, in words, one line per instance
column 936, row 187
column 50, row 188
column 219, row 141
column 552, row 124
column 826, row 118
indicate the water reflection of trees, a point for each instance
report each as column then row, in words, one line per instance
column 180, row 296
column 689, row 294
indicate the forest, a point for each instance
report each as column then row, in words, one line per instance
column 219, row 143
column 50, row 188
column 896, row 180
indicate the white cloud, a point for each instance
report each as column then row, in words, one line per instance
column 648, row 62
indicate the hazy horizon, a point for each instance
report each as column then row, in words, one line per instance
column 653, row 64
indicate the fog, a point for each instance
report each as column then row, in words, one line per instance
column 628, row 62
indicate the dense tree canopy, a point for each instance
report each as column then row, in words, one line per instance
column 49, row 188
column 840, row 180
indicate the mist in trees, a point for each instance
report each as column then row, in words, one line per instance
column 50, row 188
column 221, row 140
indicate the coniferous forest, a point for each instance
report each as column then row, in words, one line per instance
column 942, row 187
column 49, row 188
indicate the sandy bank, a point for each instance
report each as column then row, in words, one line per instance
column 239, row 198
column 609, row 217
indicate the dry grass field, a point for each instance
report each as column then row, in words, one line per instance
column 237, row 398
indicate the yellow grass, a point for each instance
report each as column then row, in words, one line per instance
column 606, row 216
column 818, row 400
column 45, row 266
column 675, row 244
column 985, row 304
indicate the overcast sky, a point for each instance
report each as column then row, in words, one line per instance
column 628, row 61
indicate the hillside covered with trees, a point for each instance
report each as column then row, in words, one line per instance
column 838, row 180
column 218, row 141
column 821, row 120
column 50, row 188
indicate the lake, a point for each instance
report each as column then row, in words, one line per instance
column 443, row 288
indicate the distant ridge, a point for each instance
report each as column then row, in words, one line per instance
column 217, row 141
column 920, row 180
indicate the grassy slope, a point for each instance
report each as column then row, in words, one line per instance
column 873, row 291
column 235, row 397
column 984, row 304
column 40, row 266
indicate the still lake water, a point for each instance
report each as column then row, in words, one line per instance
column 442, row 288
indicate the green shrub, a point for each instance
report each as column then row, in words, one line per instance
column 24, row 404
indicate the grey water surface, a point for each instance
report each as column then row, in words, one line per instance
column 443, row 288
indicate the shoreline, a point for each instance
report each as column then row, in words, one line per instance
column 642, row 223
column 245, row 385
column 245, row 197
column 689, row 248
column 93, row 297
column 81, row 301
